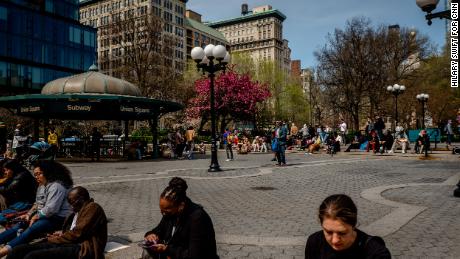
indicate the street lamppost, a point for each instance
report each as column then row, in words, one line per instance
column 205, row 60
column 428, row 6
column 396, row 90
column 423, row 98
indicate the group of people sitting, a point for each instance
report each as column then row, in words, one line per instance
column 388, row 142
column 62, row 220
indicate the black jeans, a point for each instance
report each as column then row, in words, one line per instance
column 229, row 151
column 45, row 250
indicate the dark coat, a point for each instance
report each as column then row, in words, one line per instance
column 282, row 135
column 20, row 188
column 194, row 237
column 90, row 231
column 364, row 247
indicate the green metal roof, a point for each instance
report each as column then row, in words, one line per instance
column 88, row 106
column 204, row 28
column 248, row 17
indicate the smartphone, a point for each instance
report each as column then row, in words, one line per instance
column 146, row 244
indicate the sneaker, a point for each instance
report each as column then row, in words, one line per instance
column 404, row 152
column 227, row 160
column 390, row 152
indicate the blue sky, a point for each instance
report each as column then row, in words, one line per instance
column 308, row 21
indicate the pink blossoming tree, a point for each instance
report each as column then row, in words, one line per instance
column 236, row 98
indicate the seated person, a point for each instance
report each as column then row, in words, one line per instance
column 338, row 140
column 357, row 141
column 374, row 142
column 400, row 139
column 50, row 208
column 386, row 142
column 315, row 146
column 18, row 185
column 185, row 231
column 245, row 147
column 255, row 144
column 84, row 233
column 420, row 142
column 339, row 237
column 202, row 148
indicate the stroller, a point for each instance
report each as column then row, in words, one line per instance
column 39, row 151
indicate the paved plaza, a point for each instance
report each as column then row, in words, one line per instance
column 263, row 211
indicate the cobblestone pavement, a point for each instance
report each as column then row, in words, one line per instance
column 262, row 211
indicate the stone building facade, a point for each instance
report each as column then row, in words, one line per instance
column 258, row 32
column 101, row 13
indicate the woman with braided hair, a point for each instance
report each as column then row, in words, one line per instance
column 185, row 230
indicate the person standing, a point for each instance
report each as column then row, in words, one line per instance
column 53, row 140
column 189, row 137
column 229, row 138
column 343, row 131
column 179, row 140
column 369, row 126
column 379, row 126
column 17, row 138
column 449, row 132
column 96, row 144
column 304, row 131
column 281, row 135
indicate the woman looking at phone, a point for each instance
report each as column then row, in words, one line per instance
column 185, row 230
column 340, row 238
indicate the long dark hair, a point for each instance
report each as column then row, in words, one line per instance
column 14, row 166
column 339, row 206
column 176, row 191
column 54, row 171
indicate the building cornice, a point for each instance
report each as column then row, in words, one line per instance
column 90, row 2
column 246, row 18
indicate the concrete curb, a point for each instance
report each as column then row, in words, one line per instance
column 403, row 213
